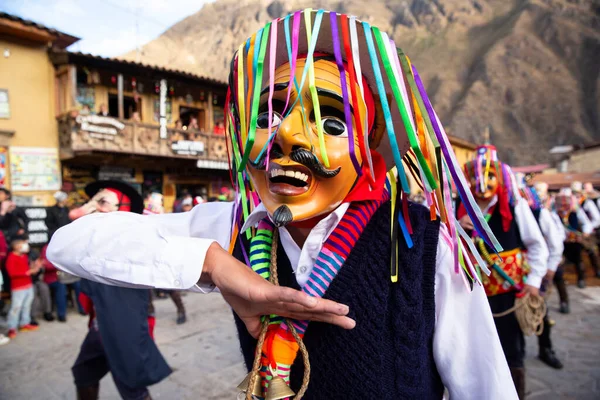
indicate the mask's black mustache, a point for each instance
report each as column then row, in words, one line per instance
column 301, row 156
column 309, row 160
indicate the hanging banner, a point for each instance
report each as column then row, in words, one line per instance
column 38, row 231
column 34, row 168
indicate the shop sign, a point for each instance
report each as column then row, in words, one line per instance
column 209, row 164
column 107, row 173
column 37, row 229
column 188, row 147
column 100, row 127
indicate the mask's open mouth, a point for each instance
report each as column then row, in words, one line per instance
column 288, row 180
column 297, row 179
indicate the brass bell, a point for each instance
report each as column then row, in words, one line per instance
column 278, row 390
column 256, row 390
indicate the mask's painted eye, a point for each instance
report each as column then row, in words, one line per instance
column 262, row 122
column 334, row 127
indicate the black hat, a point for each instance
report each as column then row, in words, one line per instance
column 137, row 203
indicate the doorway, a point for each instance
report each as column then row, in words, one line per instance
column 129, row 106
column 192, row 118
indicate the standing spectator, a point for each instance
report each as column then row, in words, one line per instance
column 73, row 285
column 13, row 221
column 185, row 194
column 5, row 285
column 187, row 204
column 3, row 339
column 59, row 289
column 153, row 204
column 17, row 265
column 41, row 291
column 58, row 215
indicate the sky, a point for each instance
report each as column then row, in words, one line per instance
column 106, row 27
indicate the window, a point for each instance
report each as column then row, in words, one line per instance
column 192, row 118
column 129, row 106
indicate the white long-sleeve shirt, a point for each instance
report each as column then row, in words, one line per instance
column 533, row 240
column 584, row 223
column 559, row 225
column 553, row 237
column 592, row 212
column 168, row 251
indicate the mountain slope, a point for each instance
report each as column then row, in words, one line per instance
column 528, row 69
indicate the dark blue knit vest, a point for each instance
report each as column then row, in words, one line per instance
column 389, row 354
column 574, row 222
column 536, row 213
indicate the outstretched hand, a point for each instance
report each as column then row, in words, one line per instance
column 251, row 296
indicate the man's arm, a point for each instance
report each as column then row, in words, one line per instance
column 586, row 225
column 177, row 251
column 562, row 231
column 132, row 250
column 466, row 348
column 553, row 239
column 537, row 251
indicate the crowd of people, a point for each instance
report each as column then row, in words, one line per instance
column 33, row 288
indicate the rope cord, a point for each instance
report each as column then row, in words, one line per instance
column 274, row 279
column 529, row 311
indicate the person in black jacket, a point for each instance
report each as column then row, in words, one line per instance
column 13, row 221
column 57, row 216
column 120, row 338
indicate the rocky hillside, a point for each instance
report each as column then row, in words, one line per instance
column 528, row 69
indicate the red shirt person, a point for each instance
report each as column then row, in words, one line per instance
column 17, row 267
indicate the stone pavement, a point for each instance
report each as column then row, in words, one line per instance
column 576, row 340
column 204, row 354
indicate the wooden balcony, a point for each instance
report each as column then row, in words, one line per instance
column 89, row 133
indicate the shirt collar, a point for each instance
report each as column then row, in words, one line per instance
column 329, row 223
column 259, row 213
